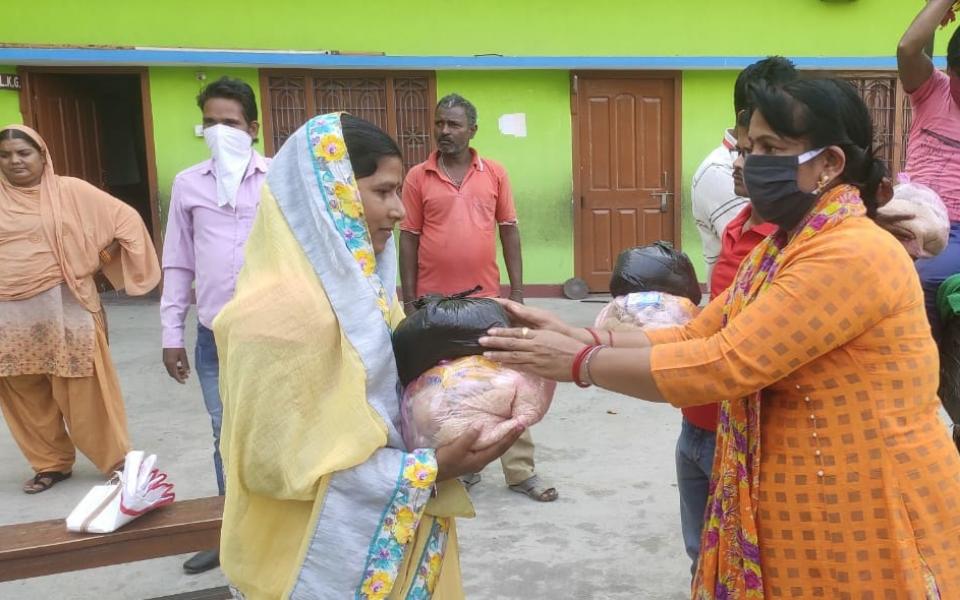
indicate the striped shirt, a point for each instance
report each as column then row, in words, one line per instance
column 714, row 202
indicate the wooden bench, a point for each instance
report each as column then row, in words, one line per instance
column 46, row 547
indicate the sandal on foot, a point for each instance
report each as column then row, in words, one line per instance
column 532, row 488
column 43, row 481
column 470, row 480
column 117, row 468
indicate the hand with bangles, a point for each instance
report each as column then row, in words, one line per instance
column 536, row 351
column 107, row 255
column 522, row 315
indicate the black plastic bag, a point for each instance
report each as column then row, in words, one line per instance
column 443, row 328
column 655, row 268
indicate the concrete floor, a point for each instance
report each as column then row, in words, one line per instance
column 613, row 534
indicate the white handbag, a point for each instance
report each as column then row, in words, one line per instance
column 139, row 489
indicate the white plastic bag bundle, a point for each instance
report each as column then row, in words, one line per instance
column 139, row 489
column 645, row 310
column 449, row 399
column 926, row 226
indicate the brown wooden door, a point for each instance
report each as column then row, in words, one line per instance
column 626, row 168
column 64, row 112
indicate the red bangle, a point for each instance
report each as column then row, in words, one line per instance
column 577, row 364
column 594, row 335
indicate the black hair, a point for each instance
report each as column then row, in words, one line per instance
column 16, row 134
column 773, row 70
column 953, row 52
column 454, row 100
column 366, row 144
column 827, row 112
column 231, row 89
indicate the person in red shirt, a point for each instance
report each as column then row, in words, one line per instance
column 745, row 231
column 455, row 203
column 697, row 441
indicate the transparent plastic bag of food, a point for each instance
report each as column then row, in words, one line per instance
column 449, row 399
column 922, row 223
column 645, row 310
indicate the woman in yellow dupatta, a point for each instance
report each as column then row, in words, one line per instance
column 834, row 476
column 323, row 500
column 58, row 387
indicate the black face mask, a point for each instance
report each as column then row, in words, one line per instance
column 772, row 184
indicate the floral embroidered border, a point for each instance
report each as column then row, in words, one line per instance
column 334, row 172
column 418, row 472
column 428, row 569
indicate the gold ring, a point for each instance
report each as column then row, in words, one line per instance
column 525, row 332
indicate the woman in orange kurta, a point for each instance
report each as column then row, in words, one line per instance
column 834, row 476
column 58, row 386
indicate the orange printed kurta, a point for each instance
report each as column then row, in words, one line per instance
column 859, row 480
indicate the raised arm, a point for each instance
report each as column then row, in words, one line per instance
column 913, row 64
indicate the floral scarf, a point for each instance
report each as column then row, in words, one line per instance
column 338, row 186
column 729, row 565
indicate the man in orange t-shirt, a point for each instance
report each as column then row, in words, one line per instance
column 455, row 202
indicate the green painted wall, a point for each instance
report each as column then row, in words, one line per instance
column 173, row 96
column 539, row 165
column 430, row 27
column 707, row 111
column 9, row 102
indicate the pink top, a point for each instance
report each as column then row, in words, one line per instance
column 204, row 244
column 933, row 152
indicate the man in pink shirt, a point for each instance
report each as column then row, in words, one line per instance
column 455, row 204
column 933, row 149
column 212, row 208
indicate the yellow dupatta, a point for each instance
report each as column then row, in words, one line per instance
column 305, row 377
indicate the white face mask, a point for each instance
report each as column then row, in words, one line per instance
column 231, row 149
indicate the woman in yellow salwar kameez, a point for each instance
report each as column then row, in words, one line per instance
column 323, row 500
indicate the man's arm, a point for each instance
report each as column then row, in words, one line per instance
column 178, row 277
column 410, row 230
column 913, row 64
column 409, row 256
column 506, row 216
column 510, row 240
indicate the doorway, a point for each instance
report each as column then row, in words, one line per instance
column 98, row 127
column 626, row 167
